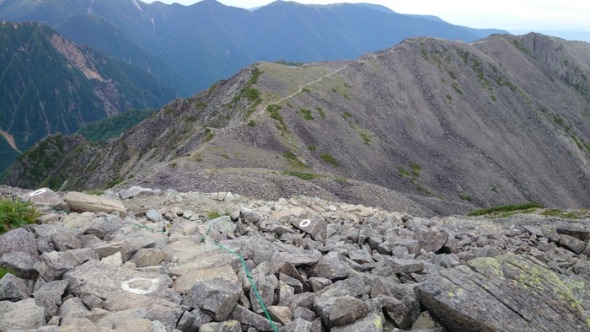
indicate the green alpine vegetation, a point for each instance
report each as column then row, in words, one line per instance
column 506, row 208
column 114, row 126
column 16, row 213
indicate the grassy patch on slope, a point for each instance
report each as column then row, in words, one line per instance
column 505, row 208
column 114, row 126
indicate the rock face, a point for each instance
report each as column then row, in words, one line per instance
column 504, row 293
column 167, row 267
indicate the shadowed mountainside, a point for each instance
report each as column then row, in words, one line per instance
column 449, row 125
column 49, row 84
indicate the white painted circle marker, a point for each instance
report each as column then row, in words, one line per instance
column 304, row 223
column 125, row 285
column 37, row 192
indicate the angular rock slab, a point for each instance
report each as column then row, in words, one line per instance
column 18, row 240
column 431, row 241
column 108, row 281
column 22, row 315
column 190, row 277
column 46, row 197
column 503, row 293
column 371, row 323
column 13, row 288
column 90, row 203
column 216, row 297
column 316, row 227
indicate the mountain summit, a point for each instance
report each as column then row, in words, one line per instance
column 447, row 124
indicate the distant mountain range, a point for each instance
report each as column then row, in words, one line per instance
column 443, row 125
column 49, row 84
column 190, row 47
column 164, row 51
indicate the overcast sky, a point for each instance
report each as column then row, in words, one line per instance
column 502, row 14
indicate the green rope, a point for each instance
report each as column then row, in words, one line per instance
column 249, row 276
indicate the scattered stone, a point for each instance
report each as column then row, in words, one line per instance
column 579, row 231
column 49, row 296
column 487, row 251
column 431, row 241
column 371, row 323
column 338, row 311
column 572, row 243
column 19, row 263
column 21, row 315
column 13, row 288
column 297, row 325
column 18, row 240
column 316, row 227
column 248, row 319
column 72, row 308
column 331, row 267
column 153, row 215
column 216, row 297
column 134, row 191
column 281, row 314
column 46, row 197
column 89, row 203
column 190, row 277
column 148, row 257
column 65, row 241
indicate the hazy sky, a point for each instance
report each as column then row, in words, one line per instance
column 501, row 14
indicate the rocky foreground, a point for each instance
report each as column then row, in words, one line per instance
column 151, row 260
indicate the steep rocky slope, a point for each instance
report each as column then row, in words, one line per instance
column 448, row 124
column 49, row 84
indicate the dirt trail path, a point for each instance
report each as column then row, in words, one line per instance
column 10, row 140
column 263, row 107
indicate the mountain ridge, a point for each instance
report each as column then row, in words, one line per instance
column 230, row 38
column 447, row 125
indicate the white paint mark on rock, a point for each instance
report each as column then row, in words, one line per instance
column 304, row 223
column 140, row 286
column 38, row 192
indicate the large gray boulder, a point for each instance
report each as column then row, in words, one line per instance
column 342, row 310
column 503, row 293
column 431, row 240
column 13, row 288
column 108, row 281
column 49, row 296
column 20, row 264
column 45, row 197
column 371, row 323
column 316, row 227
column 90, row 203
column 22, row 315
column 156, row 309
column 216, row 297
column 18, row 240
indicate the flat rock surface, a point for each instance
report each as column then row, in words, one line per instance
column 504, row 293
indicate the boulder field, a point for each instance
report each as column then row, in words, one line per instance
column 144, row 259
